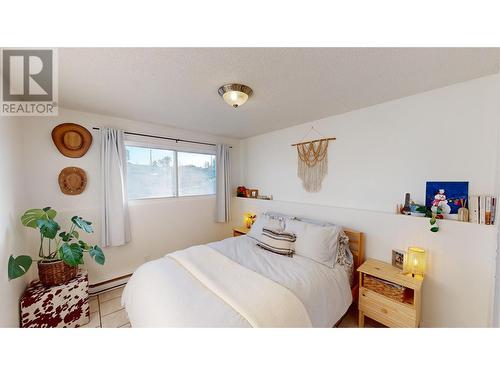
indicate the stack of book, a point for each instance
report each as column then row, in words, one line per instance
column 482, row 209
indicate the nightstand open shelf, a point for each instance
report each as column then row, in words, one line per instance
column 383, row 309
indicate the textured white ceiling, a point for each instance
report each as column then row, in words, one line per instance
column 178, row 87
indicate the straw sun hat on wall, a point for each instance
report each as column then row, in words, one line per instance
column 72, row 140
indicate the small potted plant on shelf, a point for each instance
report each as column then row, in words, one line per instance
column 60, row 252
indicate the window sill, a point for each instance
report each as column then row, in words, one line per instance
column 138, row 201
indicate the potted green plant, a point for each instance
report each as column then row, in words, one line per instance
column 60, row 252
column 433, row 219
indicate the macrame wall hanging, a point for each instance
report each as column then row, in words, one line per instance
column 312, row 161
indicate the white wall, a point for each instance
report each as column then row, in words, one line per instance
column 382, row 152
column 496, row 316
column 11, row 238
column 158, row 226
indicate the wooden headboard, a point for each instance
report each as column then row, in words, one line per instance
column 357, row 247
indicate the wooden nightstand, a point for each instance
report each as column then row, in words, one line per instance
column 240, row 231
column 386, row 310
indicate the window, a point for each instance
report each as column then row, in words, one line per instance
column 196, row 173
column 155, row 172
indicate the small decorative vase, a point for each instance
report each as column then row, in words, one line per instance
column 463, row 214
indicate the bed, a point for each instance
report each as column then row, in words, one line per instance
column 234, row 283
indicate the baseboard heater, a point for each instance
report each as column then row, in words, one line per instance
column 104, row 286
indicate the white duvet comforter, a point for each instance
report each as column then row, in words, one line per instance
column 168, row 293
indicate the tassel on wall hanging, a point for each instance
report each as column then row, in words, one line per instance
column 312, row 162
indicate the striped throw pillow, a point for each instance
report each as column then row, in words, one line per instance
column 277, row 241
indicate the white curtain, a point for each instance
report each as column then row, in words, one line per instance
column 223, row 189
column 114, row 211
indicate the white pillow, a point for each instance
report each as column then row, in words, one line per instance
column 263, row 221
column 315, row 242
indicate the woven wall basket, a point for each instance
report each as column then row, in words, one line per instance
column 55, row 272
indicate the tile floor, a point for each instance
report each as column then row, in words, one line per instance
column 106, row 311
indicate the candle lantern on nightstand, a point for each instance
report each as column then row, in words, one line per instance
column 414, row 262
column 249, row 219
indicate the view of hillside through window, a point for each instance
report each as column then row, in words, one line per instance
column 154, row 173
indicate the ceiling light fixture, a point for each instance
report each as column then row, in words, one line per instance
column 235, row 94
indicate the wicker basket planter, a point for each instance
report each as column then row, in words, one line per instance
column 390, row 290
column 55, row 272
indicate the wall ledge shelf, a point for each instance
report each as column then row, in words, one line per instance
column 441, row 222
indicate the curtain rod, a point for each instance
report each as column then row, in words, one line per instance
column 167, row 138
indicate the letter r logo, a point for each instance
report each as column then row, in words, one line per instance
column 27, row 75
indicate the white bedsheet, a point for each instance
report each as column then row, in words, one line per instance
column 162, row 293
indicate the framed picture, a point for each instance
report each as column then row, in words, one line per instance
column 398, row 258
column 445, row 198
column 254, row 193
